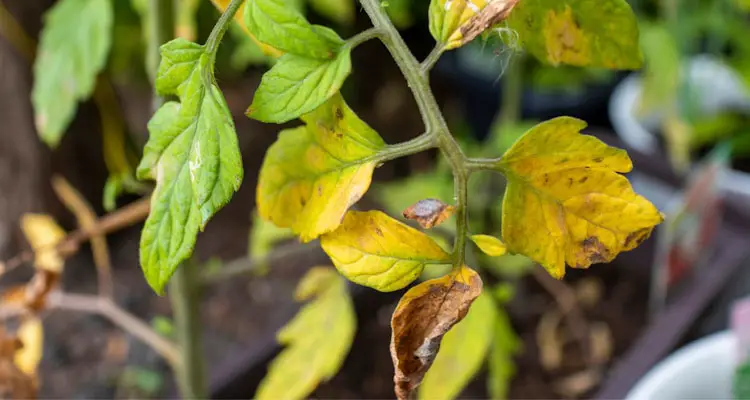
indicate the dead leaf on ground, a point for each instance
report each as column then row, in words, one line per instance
column 429, row 212
column 425, row 313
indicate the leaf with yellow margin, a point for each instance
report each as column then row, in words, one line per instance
column 43, row 235
column 462, row 352
column 314, row 173
column 425, row 313
column 566, row 201
column 239, row 18
column 596, row 33
column 489, row 245
column 374, row 250
column 317, row 339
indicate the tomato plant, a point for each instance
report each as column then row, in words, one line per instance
column 566, row 199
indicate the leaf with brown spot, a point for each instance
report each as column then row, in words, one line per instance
column 566, row 201
column 495, row 12
column 429, row 212
column 424, row 314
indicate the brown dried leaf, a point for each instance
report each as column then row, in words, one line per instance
column 495, row 12
column 425, row 313
column 14, row 383
column 33, row 295
column 429, row 212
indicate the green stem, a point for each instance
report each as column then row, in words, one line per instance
column 185, row 297
column 435, row 124
column 419, row 144
column 432, row 59
column 364, row 36
column 161, row 26
column 214, row 39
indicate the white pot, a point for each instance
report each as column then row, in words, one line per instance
column 704, row 369
column 718, row 87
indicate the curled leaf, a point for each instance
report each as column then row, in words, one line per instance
column 314, row 173
column 425, row 313
column 495, row 12
column 566, row 201
column 456, row 22
column 489, row 245
column 317, row 340
column 429, row 212
column 374, row 250
column 462, row 352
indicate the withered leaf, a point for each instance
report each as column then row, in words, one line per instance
column 425, row 313
column 494, row 13
column 429, row 212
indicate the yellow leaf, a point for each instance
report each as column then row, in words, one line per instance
column 565, row 201
column 374, row 250
column 43, row 235
column 462, row 352
column 222, row 5
column 31, row 334
column 425, row 313
column 317, row 339
column 489, row 245
column 314, row 173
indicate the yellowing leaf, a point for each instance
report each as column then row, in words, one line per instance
column 317, row 339
column 31, row 334
column 600, row 33
column 374, row 250
column 429, row 212
column 425, row 313
column 314, row 173
column 462, row 352
column 566, row 202
column 43, row 235
column 239, row 18
column 489, row 245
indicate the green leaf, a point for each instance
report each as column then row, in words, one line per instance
column 462, row 352
column 339, row 11
column 278, row 24
column 597, row 33
column 505, row 345
column 317, row 339
column 297, row 85
column 73, row 49
column 314, row 173
column 193, row 156
column 661, row 77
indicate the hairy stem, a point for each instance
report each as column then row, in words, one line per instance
column 432, row 59
column 364, row 36
column 435, row 124
column 214, row 39
column 185, row 297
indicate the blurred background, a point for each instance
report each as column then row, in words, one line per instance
column 684, row 119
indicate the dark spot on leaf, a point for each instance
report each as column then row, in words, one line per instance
column 598, row 159
column 378, row 232
column 594, row 250
column 570, row 182
column 546, row 179
column 339, row 114
column 562, row 160
column 320, row 190
column 584, row 179
column 634, row 239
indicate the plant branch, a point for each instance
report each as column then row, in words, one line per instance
column 433, row 119
column 185, row 297
column 246, row 264
column 214, row 39
column 431, row 59
column 159, row 12
column 128, row 322
column 364, row 36
column 123, row 217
